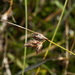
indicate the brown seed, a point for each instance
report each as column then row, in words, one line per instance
column 39, row 46
column 32, row 43
column 38, row 36
column 36, row 42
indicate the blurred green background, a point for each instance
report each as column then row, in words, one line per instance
column 43, row 16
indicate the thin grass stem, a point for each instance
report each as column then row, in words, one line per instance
column 54, row 33
column 24, row 61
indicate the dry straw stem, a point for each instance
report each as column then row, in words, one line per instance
column 17, row 25
column 61, row 47
column 38, row 33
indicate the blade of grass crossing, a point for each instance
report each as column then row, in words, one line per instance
column 54, row 33
column 57, row 27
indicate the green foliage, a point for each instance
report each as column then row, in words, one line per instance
column 38, row 13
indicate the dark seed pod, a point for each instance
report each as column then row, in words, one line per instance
column 32, row 43
column 29, row 45
column 39, row 46
column 37, row 41
column 38, row 36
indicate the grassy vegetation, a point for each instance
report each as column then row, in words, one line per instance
column 54, row 19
